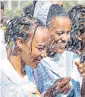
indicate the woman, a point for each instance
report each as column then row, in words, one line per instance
column 29, row 45
column 58, row 75
column 77, row 15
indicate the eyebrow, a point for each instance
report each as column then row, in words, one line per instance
column 40, row 45
column 63, row 31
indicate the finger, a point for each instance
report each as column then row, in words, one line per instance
column 57, row 82
column 84, row 68
column 65, row 89
column 83, row 75
column 55, row 86
column 81, row 70
column 81, row 65
column 64, row 82
column 61, row 83
column 57, row 89
column 77, row 63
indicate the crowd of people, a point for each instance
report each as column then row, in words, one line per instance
column 42, row 52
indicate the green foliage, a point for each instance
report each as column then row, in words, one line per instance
column 15, row 10
column 12, row 13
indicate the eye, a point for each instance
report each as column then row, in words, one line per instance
column 68, row 32
column 59, row 32
column 40, row 49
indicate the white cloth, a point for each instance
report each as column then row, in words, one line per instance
column 12, row 84
column 65, row 67
column 42, row 9
column 62, row 65
column 3, row 53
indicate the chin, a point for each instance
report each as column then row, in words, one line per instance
column 36, row 64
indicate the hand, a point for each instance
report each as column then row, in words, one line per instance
column 83, row 88
column 81, row 68
column 60, row 86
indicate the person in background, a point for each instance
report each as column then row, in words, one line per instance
column 30, row 39
column 77, row 16
column 3, row 53
column 42, row 8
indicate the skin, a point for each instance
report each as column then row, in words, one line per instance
column 60, row 32
column 25, row 55
column 38, row 48
column 60, row 86
column 81, row 66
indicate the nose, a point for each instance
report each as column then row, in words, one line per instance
column 43, row 53
column 65, row 37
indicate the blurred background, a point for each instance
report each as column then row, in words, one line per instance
column 15, row 7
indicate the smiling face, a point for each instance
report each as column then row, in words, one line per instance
column 60, row 32
column 32, row 54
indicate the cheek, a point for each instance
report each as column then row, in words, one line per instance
column 25, row 54
column 68, row 36
column 83, row 41
column 35, row 52
column 55, row 37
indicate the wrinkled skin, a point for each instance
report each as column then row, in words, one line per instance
column 60, row 33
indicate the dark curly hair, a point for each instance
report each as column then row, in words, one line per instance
column 24, row 27
column 55, row 10
column 77, row 16
column 20, row 26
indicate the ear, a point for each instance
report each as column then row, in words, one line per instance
column 20, row 42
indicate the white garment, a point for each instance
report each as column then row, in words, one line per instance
column 3, row 53
column 42, row 9
column 65, row 67
column 12, row 84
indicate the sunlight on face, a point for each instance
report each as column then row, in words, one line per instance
column 38, row 47
column 60, row 31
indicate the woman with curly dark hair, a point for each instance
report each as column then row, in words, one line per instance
column 30, row 39
column 77, row 16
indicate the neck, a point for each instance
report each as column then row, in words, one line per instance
column 34, row 66
column 18, row 66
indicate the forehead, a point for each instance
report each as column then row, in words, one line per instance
column 61, row 22
column 41, row 36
